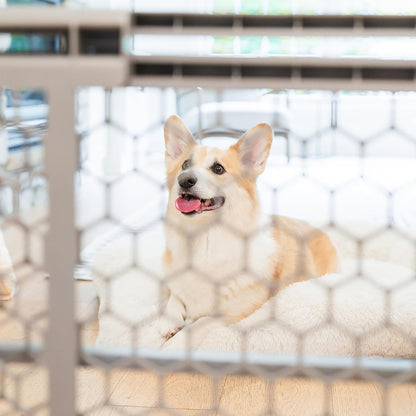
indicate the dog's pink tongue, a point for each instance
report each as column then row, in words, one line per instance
column 184, row 205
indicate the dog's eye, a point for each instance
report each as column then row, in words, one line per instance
column 218, row 169
column 186, row 164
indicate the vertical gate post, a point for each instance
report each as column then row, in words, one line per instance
column 61, row 343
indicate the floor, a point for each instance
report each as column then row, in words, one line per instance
column 105, row 392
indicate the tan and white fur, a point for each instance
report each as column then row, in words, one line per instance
column 224, row 258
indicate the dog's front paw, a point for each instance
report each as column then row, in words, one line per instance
column 192, row 335
column 157, row 333
column 171, row 332
column 167, row 328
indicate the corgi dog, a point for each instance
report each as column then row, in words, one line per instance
column 222, row 257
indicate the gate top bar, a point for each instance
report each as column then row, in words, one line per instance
column 78, row 71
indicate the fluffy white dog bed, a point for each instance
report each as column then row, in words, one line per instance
column 333, row 315
column 368, row 313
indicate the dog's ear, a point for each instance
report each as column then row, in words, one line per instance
column 178, row 139
column 254, row 147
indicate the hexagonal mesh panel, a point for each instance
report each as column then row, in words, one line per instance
column 192, row 274
column 23, row 221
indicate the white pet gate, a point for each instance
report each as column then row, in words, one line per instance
column 106, row 140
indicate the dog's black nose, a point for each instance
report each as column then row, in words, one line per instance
column 187, row 181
